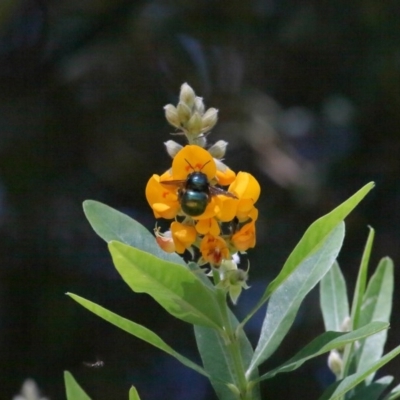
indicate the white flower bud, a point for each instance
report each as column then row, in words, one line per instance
column 335, row 362
column 199, row 105
column 171, row 114
column 218, row 149
column 172, row 148
column 346, row 325
column 194, row 124
column 184, row 113
column 210, row 119
column 187, row 95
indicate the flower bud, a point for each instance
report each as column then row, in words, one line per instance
column 164, row 240
column 187, row 95
column 172, row 148
column 194, row 124
column 218, row 149
column 171, row 114
column 198, row 105
column 210, row 118
column 346, row 325
column 335, row 362
column 184, row 113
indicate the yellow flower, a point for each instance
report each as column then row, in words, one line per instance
column 162, row 199
column 209, row 225
column 247, row 190
column 183, row 235
column 214, row 250
column 193, row 158
column 245, row 237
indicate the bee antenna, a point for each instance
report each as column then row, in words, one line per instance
column 200, row 168
column 190, row 165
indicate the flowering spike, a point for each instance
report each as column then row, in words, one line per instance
column 217, row 222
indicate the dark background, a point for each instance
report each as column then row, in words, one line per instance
column 309, row 100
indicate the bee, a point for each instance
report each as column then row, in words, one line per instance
column 195, row 192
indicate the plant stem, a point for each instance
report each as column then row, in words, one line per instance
column 233, row 348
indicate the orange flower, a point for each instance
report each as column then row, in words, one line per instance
column 162, row 199
column 213, row 250
column 225, row 176
column 193, row 158
column 209, row 225
column 245, row 237
column 183, row 235
column 164, row 240
column 247, row 190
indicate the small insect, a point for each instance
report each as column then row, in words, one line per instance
column 97, row 364
column 195, row 192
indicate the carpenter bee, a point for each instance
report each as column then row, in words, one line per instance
column 195, row 192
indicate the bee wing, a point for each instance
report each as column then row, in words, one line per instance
column 214, row 190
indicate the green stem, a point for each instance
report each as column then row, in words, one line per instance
column 233, row 348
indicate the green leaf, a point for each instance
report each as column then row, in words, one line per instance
column 340, row 388
column 324, row 343
column 394, row 393
column 172, row 285
column 137, row 330
column 376, row 306
column 333, row 299
column 217, row 360
column 111, row 224
column 73, row 390
column 361, row 280
column 285, row 302
column 348, row 359
column 374, row 390
column 312, row 240
column 133, row 394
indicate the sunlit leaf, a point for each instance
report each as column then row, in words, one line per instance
column 133, row 394
column 324, row 343
column 340, row 388
column 173, row 286
column 376, row 306
column 111, row 224
column 312, row 240
column 72, row 388
column 135, row 329
column 333, row 299
column 285, row 302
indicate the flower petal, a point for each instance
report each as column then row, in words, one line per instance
column 193, row 158
column 162, row 199
column 184, row 236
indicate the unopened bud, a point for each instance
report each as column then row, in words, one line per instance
column 187, row 95
column 234, row 389
column 184, row 113
column 218, row 149
column 198, row 105
column 210, row 118
column 172, row 148
column 335, row 362
column 346, row 325
column 171, row 114
column 194, row 124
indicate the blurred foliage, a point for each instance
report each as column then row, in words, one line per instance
column 309, row 100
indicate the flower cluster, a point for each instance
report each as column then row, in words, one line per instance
column 219, row 222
